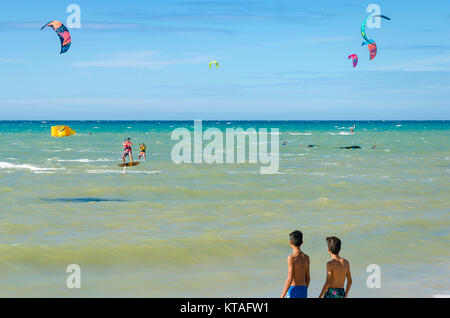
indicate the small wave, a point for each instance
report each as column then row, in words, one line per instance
column 98, row 171
column 8, row 165
column 302, row 134
column 81, row 200
column 246, row 132
column 84, row 160
column 52, row 150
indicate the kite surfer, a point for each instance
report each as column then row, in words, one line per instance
column 142, row 149
column 127, row 150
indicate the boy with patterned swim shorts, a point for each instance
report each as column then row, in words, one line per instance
column 338, row 269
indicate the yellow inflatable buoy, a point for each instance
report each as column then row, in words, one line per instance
column 62, row 131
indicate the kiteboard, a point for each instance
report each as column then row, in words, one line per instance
column 129, row 164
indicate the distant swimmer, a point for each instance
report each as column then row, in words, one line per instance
column 350, row 147
column 142, row 149
column 310, row 146
column 284, row 143
column 127, row 150
column 374, row 146
column 352, row 128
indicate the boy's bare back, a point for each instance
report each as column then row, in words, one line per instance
column 301, row 268
column 339, row 269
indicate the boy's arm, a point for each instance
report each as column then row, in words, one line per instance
column 290, row 276
column 349, row 281
column 308, row 276
column 327, row 281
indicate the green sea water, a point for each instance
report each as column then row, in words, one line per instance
column 221, row 230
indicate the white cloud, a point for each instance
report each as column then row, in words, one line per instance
column 330, row 39
column 140, row 59
column 429, row 64
column 10, row 61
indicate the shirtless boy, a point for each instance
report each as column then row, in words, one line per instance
column 298, row 277
column 338, row 269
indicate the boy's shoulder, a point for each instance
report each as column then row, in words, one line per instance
column 292, row 257
column 346, row 262
column 334, row 262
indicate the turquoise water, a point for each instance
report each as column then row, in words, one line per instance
column 219, row 230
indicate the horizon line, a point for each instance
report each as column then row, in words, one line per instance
column 210, row 120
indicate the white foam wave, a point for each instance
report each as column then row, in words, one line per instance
column 8, row 165
column 302, row 134
column 85, row 160
column 99, row 171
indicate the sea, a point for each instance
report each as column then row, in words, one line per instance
column 167, row 229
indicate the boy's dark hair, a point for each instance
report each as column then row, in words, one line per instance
column 296, row 238
column 334, row 244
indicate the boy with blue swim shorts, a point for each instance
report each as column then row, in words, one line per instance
column 298, row 276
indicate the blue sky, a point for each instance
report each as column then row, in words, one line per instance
column 278, row 60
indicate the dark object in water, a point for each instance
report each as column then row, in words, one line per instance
column 312, row 146
column 129, row 164
column 81, row 200
column 350, row 147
